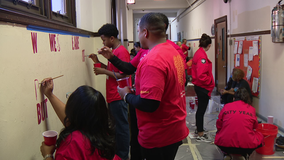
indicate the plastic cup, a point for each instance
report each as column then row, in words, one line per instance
column 191, row 104
column 196, row 101
column 50, row 137
column 123, row 82
column 270, row 119
column 97, row 65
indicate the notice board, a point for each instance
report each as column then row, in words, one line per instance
column 247, row 56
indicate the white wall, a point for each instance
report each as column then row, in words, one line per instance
column 92, row 14
column 242, row 16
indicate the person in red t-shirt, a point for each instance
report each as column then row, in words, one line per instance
column 130, row 68
column 189, row 64
column 117, row 106
column 89, row 131
column 203, row 81
column 160, row 95
column 236, row 126
column 179, row 43
column 185, row 48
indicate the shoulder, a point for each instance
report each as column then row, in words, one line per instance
column 244, row 83
column 163, row 49
column 74, row 146
column 234, row 103
column 122, row 49
column 76, row 137
column 160, row 54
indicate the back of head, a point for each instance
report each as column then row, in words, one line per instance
column 87, row 112
column 238, row 74
column 178, row 43
column 108, row 30
column 132, row 52
column 204, row 41
column 137, row 44
column 154, row 23
column 165, row 20
column 243, row 95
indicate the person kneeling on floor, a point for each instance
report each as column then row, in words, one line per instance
column 236, row 126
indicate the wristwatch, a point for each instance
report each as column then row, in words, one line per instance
column 124, row 97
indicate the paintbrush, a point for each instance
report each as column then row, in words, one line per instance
column 54, row 78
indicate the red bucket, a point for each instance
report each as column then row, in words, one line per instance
column 269, row 132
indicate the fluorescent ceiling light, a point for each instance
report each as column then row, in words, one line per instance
column 130, row 1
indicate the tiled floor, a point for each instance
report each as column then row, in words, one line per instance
column 192, row 150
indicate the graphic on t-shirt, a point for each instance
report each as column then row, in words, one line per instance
column 180, row 69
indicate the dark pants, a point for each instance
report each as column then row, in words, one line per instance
column 186, row 80
column 203, row 99
column 240, row 151
column 164, row 153
column 119, row 111
column 135, row 150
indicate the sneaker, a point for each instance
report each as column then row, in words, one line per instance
column 203, row 138
column 204, row 130
column 227, row 157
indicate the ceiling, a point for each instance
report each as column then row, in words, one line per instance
column 168, row 7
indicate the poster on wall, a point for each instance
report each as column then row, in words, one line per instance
column 250, row 61
column 179, row 36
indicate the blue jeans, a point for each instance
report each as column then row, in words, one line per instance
column 119, row 111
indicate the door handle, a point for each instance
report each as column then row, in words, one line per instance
column 224, row 67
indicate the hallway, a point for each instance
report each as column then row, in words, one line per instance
column 193, row 150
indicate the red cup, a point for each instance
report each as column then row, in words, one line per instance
column 191, row 104
column 196, row 101
column 123, row 82
column 50, row 137
column 98, row 65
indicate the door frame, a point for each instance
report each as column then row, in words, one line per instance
column 216, row 21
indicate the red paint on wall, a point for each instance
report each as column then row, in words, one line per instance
column 83, row 55
column 34, row 41
column 41, row 111
column 75, row 42
column 52, row 42
column 36, row 86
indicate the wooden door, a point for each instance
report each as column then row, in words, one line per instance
column 221, row 52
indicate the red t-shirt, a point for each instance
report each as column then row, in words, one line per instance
column 236, row 126
column 189, row 63
column 184, row 48
column 160, row 76
column 140, row 55
column 111, row 84
column 179, row 50
column 77, row 146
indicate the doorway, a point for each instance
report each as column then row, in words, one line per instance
column 221, row 52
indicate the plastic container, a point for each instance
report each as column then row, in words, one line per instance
column 269, row 132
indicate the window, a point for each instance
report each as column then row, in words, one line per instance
column 63, row 10
column 55, row 14
column 29, row 1
column 59, row 6
column 27, row 6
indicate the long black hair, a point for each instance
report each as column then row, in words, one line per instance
column 243, row 95
column 87, row 112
